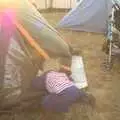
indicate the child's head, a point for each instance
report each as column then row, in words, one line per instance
column 65, row 64
column 51, row 64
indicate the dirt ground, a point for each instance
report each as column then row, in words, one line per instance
column 102, row 83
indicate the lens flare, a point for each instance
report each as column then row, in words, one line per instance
column 6, row 20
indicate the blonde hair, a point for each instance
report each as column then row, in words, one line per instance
column 51, row 64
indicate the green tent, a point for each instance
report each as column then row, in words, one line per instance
column 22, row 61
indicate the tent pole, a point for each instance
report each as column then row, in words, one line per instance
column 51, row 4
column 70, row 4
column 45, row 4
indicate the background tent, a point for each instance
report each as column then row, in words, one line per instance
column 88, row 15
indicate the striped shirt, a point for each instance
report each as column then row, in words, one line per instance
column 57, row 82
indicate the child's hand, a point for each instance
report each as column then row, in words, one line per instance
column 67, row 72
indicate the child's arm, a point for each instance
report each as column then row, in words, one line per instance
column 39, row 82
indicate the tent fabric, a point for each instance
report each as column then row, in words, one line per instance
column 23, row 62
column 11, row 78
column 19, row 67
column 88, row 15
column 6, row 30
column 34, row 23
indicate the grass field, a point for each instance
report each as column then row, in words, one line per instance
column 103, row 84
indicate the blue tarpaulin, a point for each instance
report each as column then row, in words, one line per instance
column 88, row 15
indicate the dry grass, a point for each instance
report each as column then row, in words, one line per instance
column 103, row 84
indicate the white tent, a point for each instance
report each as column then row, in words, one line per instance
column 43, row 4
column 88, row 15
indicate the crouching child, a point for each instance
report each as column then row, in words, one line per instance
column 61, row 91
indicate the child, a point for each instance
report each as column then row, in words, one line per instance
column 61, row 91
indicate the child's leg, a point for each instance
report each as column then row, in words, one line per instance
column 52, row 102
column 62, row 101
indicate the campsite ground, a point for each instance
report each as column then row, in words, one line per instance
column 102, row 83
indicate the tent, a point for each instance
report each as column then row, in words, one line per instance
column 88, row 15
column 45, row 35
column 31, row 33
column 63, row 4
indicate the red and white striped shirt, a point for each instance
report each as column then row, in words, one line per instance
column 57, row 82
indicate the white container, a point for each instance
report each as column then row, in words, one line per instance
column 78, row 72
